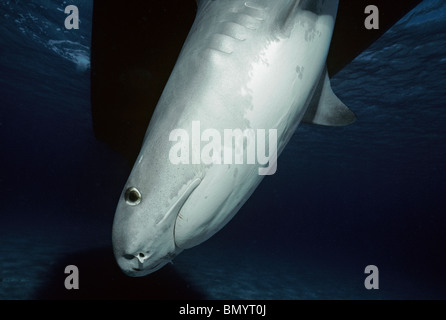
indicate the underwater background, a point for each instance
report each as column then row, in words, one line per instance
column 373, row 193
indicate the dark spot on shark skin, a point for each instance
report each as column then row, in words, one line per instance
column 300, row 72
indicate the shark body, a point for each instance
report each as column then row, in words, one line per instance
column 245, row 65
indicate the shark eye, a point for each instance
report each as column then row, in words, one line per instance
column 132, row 196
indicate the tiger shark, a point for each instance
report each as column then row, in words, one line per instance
column 254, row 65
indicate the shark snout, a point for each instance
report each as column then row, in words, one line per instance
column 140, row 263
column 143, row 239
column 140, row 256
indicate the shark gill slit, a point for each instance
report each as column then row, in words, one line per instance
column 230, row 30
column 246, row 20
column 256, row 9
column 253, row 5
column 230, row 33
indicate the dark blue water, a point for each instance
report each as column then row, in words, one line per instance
column 342, row 199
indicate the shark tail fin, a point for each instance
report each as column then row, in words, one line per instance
column 326, row 108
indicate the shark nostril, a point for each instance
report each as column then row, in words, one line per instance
column 141, row 257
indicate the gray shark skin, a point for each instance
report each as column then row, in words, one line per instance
column 256, row 65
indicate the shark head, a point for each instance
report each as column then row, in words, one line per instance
column 141, row 244
column 160, row 215
column 144, row 224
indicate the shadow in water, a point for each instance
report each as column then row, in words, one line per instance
column 101, row 278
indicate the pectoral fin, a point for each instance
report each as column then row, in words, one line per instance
column 326, row 108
